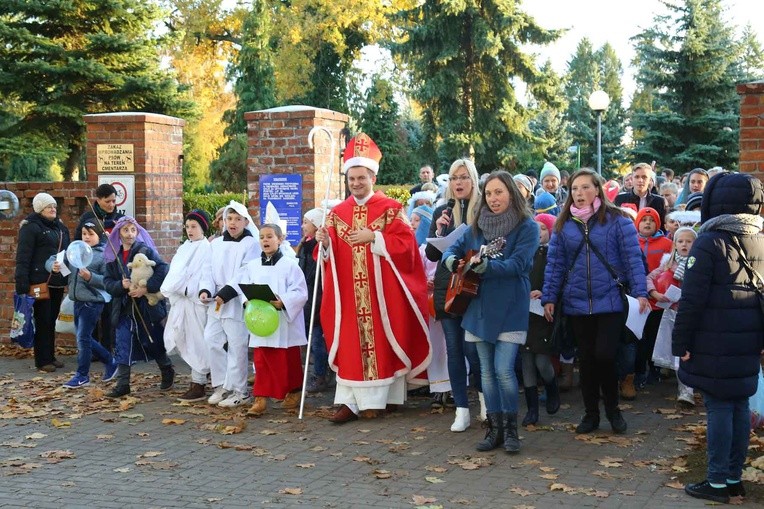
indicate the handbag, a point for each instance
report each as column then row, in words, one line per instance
column 65, row 320
column 41, row 291
column 22, row 323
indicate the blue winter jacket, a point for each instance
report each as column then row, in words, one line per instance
column 503, row 298
column 590, row 288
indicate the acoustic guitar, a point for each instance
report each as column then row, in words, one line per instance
column 464, row 283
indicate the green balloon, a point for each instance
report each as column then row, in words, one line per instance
column 261, row 317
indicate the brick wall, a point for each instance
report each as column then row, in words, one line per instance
column 752, row 128
column 72, row 202
column 277, row 142
column 158, row 148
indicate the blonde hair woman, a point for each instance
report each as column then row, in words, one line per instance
column 464, row 190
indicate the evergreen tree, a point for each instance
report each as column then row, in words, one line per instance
column 753, row 55
column 254, row 86
column 688, row 64
column 591, row 70
column 462, row 57
column 381, row 122
column 63, row 59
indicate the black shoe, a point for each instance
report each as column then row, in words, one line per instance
column 168, row 378
column 617, row 422
column 552, row 397
column 736, row 489
column 511, row 438
column 317, row 384
column 589, row 423
column 495, row 435
column 705, row 491
column 118, row 391
column 532, row 400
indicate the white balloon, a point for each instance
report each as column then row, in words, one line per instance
column 79, row 254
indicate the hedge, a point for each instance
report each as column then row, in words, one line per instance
column 210, row 202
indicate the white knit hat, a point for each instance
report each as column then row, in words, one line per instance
column 42, row 200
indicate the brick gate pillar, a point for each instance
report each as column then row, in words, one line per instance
column 752, row 128
column 277, row 141
column 141, row 154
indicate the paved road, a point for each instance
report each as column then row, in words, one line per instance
column 78, row 449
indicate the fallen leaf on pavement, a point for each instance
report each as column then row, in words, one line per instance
column 122, row 470
column 439, row 470
column 675, row 484
column 173, row 421
column 150, row 454
column 291, row 491
column 382, row 474
column 421, row 500
column 305, row 465
column 521, row 492
column 434, row 480
column 36, row 436
column 59, row 423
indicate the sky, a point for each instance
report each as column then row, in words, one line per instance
column 616, row 22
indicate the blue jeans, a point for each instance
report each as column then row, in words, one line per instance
column 497, row 368
column 456, row 350
column 729, row 427
column 627, row 354
column 86, row 315
column 318, row 350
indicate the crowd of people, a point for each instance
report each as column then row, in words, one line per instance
column 491, row 282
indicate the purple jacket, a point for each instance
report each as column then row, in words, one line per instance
column 590, row 288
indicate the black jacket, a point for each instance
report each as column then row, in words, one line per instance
column 653, row 201
column 442, row 274
column 38, row 240
column 122, row 303
column 107, row 220
column 719, row 320
column 539, row 328
column 308, row 265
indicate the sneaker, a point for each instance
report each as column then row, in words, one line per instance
column 736, row 489
column 77, row 381
column 450, row 403
column 110, row 371
column 218, row 395
column 236, row 399
column 705, row 491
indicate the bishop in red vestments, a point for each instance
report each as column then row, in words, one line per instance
column 374, row 307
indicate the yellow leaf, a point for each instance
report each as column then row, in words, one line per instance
column 173, row 421
column 382, row 474
column 291, row 491
column 60, row 424
column 676, row 485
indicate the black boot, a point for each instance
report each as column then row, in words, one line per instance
column 552, row 397
column 589, row 423
column 495, row 435
column 168, row 377
column 532, row 400
column 617, row 422
column 511, row 438
column 122, row 387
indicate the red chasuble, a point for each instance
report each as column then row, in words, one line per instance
column 374, row 307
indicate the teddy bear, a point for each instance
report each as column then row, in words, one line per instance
column 141, row 269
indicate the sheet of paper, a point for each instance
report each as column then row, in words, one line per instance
column 443, row 243
column 536, row 307
column 636, row 320
column 673, row 293
column 62, row 266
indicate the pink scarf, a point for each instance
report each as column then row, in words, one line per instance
column 586, row 213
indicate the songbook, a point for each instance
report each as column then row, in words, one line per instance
column 259, row 292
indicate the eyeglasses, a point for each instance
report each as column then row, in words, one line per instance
column 463, row 178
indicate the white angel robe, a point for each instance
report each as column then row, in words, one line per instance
column 188, row 315
column 288, row 283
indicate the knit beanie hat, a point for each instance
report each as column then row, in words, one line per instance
column 201, row 217
column 545, row 203
column 547, row 220
column 42, row 200
column 549, row 170
column 648, row 211
column 524, row 181
column 694, row 201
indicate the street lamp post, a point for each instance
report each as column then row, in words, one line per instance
column 599, row 101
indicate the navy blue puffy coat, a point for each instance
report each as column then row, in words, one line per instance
column 719, row 320
column 590, row 288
